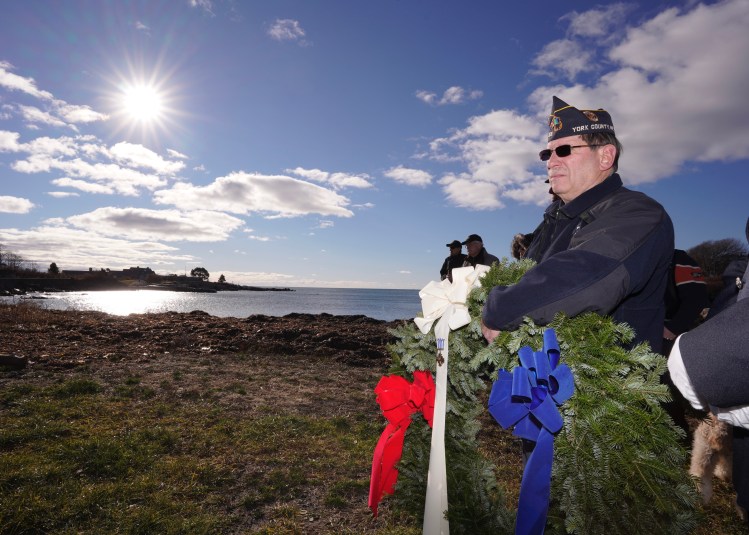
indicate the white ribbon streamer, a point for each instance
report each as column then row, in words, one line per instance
column 444, row 302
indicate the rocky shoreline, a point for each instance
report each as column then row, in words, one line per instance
column 64, row 339
column 23, row 286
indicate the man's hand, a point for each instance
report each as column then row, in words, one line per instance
column 668, row 335
column 489, row 334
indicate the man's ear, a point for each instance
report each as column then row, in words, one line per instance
column 606, row 156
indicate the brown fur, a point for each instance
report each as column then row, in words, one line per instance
column 712, row 455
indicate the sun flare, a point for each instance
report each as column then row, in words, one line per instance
column 145, row 104
column 142, row 103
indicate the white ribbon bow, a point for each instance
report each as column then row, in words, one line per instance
column 446, row 302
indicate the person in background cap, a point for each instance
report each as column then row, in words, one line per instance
column 455, row 260
column 601, row 247
column 477, row 254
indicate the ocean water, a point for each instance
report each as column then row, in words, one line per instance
column 379, row 304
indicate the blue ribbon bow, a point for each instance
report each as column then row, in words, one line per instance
column 528, row 398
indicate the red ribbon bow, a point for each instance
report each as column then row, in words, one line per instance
column 398, row 400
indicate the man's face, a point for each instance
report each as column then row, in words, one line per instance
column 572, row 175
column 455, row 250
column 474, row 248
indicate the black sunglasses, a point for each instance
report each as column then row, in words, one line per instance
column 562, row 151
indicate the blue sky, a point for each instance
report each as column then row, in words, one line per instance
column 343, row 143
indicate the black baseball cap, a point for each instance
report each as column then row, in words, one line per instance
column 473, row 237
column 454, row 243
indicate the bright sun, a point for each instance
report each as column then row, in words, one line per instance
column 143, row 103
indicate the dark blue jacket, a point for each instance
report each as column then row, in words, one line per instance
column 607, row 251
column 716, row 359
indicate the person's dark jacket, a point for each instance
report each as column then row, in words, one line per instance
column 607, row 251
column 686, row 295
column 484, row 257
column 716, row 359
column 450, row 263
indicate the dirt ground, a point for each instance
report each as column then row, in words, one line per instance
column 315, row 362
column 298, row 364
column 65, row 339
column 156, row 346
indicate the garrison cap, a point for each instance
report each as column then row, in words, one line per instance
column 566, row 120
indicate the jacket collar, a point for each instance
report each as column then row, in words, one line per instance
column 588, row 198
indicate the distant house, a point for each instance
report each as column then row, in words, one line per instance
column 90, row 274
column 135, row 273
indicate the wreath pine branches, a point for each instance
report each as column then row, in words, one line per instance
column 618, row 464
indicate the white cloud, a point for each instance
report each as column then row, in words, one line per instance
column 337, row 180
column 244, row 193
column 286, row 30
column 14, row 82
column 205, row 5
column 47, row 146
column 566, row 58
column 535, row 191
column 60, row 111
column 83, row 153
column 140, row 156
column 9, row 141
column 466, row 192
column 82, row 185
column 175, row 154
column 167, row 225
column 51, row 243
column 598, row 22
column 324, row 223
column 500, row 150
column 62, row 194
column 426, row 96
column 410, row 177
column 252, row 236
column 15, row 205
column 35, row 115
column 310, row 174
column 452, row 95
column 120, row 179
column 78, row 114
column 587, row 34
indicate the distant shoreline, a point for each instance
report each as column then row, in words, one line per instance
column 22, row 286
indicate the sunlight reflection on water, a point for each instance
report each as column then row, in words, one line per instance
column 376, row 303
column 122, row 303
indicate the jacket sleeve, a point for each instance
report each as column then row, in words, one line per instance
column 615, row 255
column 445, row 269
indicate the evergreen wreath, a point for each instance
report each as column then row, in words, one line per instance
column 619, row 466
